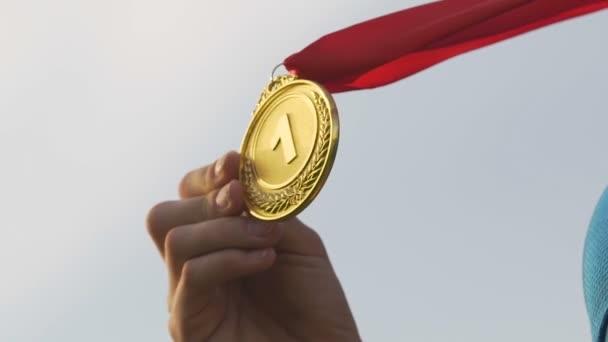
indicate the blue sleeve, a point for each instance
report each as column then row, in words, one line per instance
column 595, row 270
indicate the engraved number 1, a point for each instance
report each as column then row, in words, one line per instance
column 283, row 135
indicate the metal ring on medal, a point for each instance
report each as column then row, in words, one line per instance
column 289, row 148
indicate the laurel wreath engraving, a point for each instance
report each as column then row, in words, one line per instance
column 297, row 190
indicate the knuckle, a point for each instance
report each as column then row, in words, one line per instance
column 314, row 235
column 311, row 235
column 155, row 218
column 179, row 330
column 317, row 240
column 186, row 183
column 172, row 327
column 187, row 332
column 182, row 188
column 309, row 232
column 173, row 240
column 195, row 182
column 189, row 273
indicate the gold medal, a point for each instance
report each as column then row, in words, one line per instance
column 289, row 148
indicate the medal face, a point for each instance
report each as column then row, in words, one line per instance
column 289, row 148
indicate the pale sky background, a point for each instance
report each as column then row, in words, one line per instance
column 456, row 210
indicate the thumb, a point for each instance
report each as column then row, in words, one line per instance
column 595, row 270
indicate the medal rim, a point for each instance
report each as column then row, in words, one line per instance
column 273, row 88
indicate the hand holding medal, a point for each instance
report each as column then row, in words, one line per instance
column 268, row 277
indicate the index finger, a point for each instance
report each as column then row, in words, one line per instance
column 211, row 177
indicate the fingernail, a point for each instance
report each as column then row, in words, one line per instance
column 260, row 228
column 219, row 165
column 223, row 197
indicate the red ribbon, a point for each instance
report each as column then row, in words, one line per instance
column 386, row 49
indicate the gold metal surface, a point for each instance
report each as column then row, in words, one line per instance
column 289, row 148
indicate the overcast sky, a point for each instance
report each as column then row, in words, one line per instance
column 456, row 210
